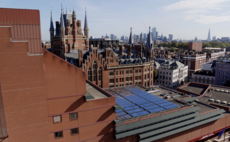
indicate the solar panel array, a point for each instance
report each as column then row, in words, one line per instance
column 136, row 102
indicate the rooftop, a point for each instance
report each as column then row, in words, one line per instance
column 136, row 102
column 95, row 91
column 204, row 73
column 217, row 93
column 194, row 88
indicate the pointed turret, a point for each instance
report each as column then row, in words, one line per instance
column 86, row 31
column 62, row 27
column 51, row 27
column 86, row 28
column 149, row 40
column 130, row 37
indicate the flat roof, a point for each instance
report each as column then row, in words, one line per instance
column 194, row 88
column 136, row 102
column 95, row 92
column 217, row 93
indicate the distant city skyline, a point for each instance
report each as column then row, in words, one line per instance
column 185, row 19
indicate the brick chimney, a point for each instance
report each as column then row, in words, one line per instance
column 121, row 49
column 80, row 53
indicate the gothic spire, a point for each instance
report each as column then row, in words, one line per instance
column 62, row 20
column 131, row 37
column 51, row 21
column 149, row 40
column 86, row 23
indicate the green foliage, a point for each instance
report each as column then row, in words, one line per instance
column 227, row 83
column 184, row 45
column 155, row 74
column 216, row 44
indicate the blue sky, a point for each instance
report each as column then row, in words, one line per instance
column 185, row 19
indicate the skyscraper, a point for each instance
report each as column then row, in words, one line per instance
column 209, row 36
column 170, row 37
column 112, row 36
column 154, row 32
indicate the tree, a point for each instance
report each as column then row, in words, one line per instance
column 182, row 82
column 227, row 83
column 155, row 74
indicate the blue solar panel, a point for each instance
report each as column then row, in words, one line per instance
column 151, row 107
column 142, row 102
column 165, row 104
column 136, row 102
column 139, row 113
column 147, row 104
column 127, row 105
column 155, row 100
column 130, row 108
column 134, row 110
column 171, row 106
column 156, row 110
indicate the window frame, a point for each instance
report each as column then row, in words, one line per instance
column 56, row 116
column 73, row 118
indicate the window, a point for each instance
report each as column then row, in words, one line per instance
column 89, row 74
column 127, row 72
column 127, row 78
column 136, row 71
column 57, row 119
column 139, row 71
column 58, row 134
column 100, row 74
column 116, row 79
column 131, row 71
column 139, row 77
column 110, row 73
column 94, row 71
column 111, row 60
column 136, row 77
column 130, row 78
column 111, row 80
column 73, row 116
column 74, row 131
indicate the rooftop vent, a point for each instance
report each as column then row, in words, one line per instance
column 217, row 101
column 217, row 89
column 224, row 102
column 229, row 104
column 226, row 91
column 211, row 100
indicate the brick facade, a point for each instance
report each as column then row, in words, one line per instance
column 195, row 46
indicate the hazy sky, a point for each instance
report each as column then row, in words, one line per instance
column 185, row 19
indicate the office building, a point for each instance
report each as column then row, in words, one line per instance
column 154, row 30
column 209, row 36
column 170, row 73
column 170, row 37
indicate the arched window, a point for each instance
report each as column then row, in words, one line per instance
column 100, row 74
column 94, row 71
column 90, row 74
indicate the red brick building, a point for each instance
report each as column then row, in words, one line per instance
column 113, row 67
column 68, row 34
column 197, row 46
column 43, row 98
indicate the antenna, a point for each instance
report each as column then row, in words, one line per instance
column 145, row 27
